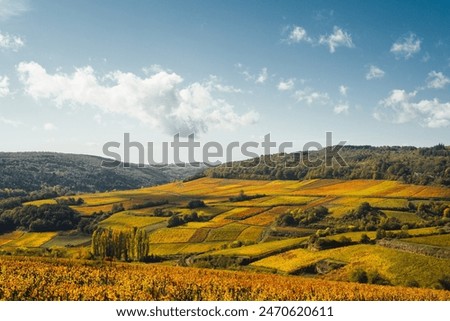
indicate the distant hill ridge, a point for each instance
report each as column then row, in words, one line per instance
column 31, row 171
column 424, row 166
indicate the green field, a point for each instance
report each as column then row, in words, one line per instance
column 396, row 266
column 185, row 248
column 404, row 217
column 31, row 239
column 126, row 220
column 229, row 232
column 254, row 218
column 260, row 249
column 434, row 240
column 172, row 235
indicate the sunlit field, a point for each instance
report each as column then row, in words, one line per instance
column 29, row 279
column 237, row 232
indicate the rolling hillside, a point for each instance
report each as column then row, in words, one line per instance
column 29, row 171
column 412, row 165
column 239, row 225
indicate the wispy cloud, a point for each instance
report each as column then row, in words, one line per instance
column 406, row 47
column 321, row 15
column 339, row 38
column 262, row 77
column 399, row 107
column 437, row 80
column 259, row 78
column 297, row 34
column 10, row 122
column 285, row 85
column 309, row 96
column 12, row 8
column 215, row 84
column 4, row 86
column 10, row 42
column 341, row 108
column 158, row 100
column 374, row 73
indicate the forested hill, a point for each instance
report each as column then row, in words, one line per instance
column 425, row 166
column 31, row 171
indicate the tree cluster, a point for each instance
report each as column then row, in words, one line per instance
column 130, row 245
column 318, row 243
column 244, row 197
column 70, row 201
column 9, row 192
column 368, row 218
column 148, row 204
column 177, row 220
column 88, row 224
column 372, row 277
column 303, row 217
column 196, row 204
column 47, row 217
column 433, row 210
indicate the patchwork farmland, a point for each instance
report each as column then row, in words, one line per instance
column 238, row 226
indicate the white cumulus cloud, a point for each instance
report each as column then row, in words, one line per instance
column 406, row 47
column 4, row 86
column 310, row 96
column 284, row 85
column 399, row 107
column 10, row 42
column 339, row 38
column 159, row 100
column 437, row 80
column 298, row 34
column 374, row 73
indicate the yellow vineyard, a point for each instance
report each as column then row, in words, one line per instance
column 392, row 264
column 232, row 231
column 29, row 279
column 248, row 221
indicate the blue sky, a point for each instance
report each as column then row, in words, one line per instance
column 77, row 74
